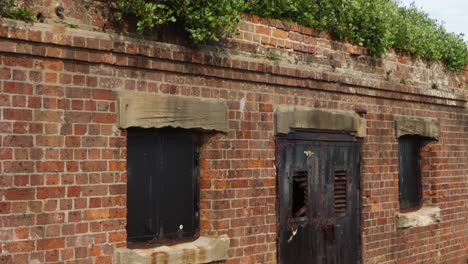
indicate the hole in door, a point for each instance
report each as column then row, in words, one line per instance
column 300, row 194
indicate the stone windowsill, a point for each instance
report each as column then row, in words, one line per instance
column 203, row 250
column 422, row 217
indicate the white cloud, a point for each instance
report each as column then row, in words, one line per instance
column 453, row 13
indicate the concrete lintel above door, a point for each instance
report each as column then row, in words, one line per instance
column 156, row 111
column 420, row 126
column 288, row 118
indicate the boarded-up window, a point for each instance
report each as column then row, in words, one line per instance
column 409, row 185
column 163, row 193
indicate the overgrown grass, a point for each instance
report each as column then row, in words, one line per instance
column 9, row 9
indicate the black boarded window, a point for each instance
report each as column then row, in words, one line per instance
column 409, row 184
column 162, row 181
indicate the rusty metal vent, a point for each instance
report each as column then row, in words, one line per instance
column 339, row 197
column 300, row 194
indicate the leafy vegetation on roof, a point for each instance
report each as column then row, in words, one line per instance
column 202, row 19
column 377, row 25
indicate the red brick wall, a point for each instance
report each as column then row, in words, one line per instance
column 62, row 155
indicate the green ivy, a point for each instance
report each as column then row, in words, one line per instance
column 376, row 24
column 202, row 19
column 9, row 9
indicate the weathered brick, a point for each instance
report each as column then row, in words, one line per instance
column 52, row 255
column 104, row 118
column 20, row 220
column 49, row 141
column 17, row 114
column 52, row 243
column 280, row 33
column 50, row 166
column 93, row 166
column 23, row 62
column 262, row 30
column 78, row 117
column 50, row 192
column 18, row 166
column 22, row 246
column 101, row 94
column 18, row 141
column 19, row 194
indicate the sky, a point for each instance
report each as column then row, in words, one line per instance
column 454, row 13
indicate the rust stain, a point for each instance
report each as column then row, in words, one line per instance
column 189, row 256
column 160, row 258
column 201, row 254
column 59, row 30
column 59, row 33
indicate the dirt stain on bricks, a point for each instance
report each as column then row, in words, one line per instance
column 201, row 254
column 160, row 258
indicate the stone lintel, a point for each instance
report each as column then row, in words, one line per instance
column 157, row 111
column 422, row 217
column 288, row 118
column 202, row 250
column 421, row 126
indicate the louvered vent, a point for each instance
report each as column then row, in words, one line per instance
column 300, row 194
column 339, row 196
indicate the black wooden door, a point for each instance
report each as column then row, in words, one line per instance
column 318, row 198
